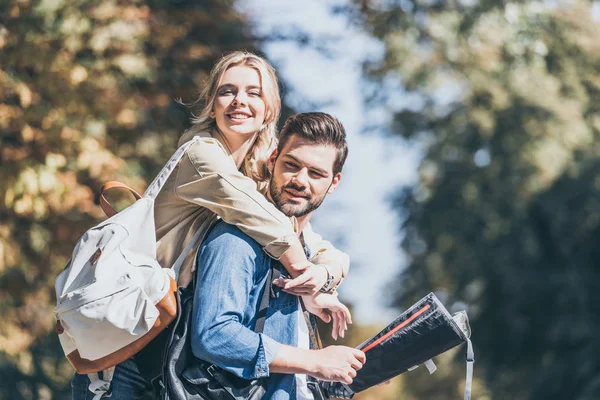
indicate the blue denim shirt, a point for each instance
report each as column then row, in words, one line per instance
column 232, row 271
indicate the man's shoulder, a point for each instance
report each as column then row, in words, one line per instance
column 231, row 238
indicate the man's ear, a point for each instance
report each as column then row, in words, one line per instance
column 272, row 159
column 335, row 182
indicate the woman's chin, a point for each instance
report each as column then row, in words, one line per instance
column 240, row 130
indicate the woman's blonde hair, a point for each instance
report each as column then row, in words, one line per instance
column 255, row 163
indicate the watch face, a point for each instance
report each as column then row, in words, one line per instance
column 328, row 285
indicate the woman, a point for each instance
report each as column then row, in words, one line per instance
column 220, row 176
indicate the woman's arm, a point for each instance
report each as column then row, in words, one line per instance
column 335, row 262
column 209, row 178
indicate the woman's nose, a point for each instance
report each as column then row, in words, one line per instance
column 240, row 99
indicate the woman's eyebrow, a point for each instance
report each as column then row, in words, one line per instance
column 232, row 86
column 226, row 86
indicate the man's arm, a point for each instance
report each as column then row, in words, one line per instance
column 231, row 266
column 333, row 363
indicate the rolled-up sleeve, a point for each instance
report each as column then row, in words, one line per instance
column 323, row 252
column 226, row 302
column 208, row 177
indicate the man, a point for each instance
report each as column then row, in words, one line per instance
column 304, row 168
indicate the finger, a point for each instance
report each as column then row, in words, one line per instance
column 323, row 315
column 347, row 379
column 356, row 364
column 359, row 355
column 339, row 323
column 344, row 327
column 352, row 373
column 341, row 307
column 279, row 282
column 299, row 280
column 298, row 291
column 334, row 328
column 346, row 312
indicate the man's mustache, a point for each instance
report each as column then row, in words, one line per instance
column 300, row 189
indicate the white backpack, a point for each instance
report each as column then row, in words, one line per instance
column 114, row 297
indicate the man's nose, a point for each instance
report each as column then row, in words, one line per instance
column 301, row 178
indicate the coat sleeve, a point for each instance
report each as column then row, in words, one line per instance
column 208, row 177
column 323, row 252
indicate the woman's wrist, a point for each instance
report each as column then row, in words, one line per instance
column 330, row 282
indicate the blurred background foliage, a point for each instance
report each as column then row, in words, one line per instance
column 506, row 215
column 504, row 219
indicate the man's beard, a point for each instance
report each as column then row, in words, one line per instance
column 289, row 209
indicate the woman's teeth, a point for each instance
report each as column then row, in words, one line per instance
column 238, row 116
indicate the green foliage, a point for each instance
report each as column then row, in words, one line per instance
column 505, row 217
column 87, row 94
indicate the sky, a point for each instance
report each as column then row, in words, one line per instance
column 357, row 218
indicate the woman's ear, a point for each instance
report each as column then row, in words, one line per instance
column 212, row 114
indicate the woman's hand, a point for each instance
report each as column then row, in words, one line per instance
column 311, row 279
column 340, row 314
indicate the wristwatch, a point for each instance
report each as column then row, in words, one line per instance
column 328, row 287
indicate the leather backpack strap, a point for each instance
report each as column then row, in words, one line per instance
column 106, row 206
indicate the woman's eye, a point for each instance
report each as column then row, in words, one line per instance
column 254, row 93
column 226, row 92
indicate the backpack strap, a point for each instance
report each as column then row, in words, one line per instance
column 154, row 188
column 160, row 180
column 194, row 241
column 101, row 387
column 106, row 206
column 470, row 362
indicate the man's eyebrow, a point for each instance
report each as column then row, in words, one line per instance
column 316, row 169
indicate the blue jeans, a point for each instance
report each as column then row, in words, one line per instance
column 127, row 384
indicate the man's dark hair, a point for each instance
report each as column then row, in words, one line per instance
column 318, row 128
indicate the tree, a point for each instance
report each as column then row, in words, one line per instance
column 505, row 215
column 87, row 94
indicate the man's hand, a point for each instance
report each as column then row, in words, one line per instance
column 337, row 363
column 333, row 363
column 339, row 312
column 312, row 278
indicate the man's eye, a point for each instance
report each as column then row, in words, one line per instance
column 289, row 164
column 316, row 175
